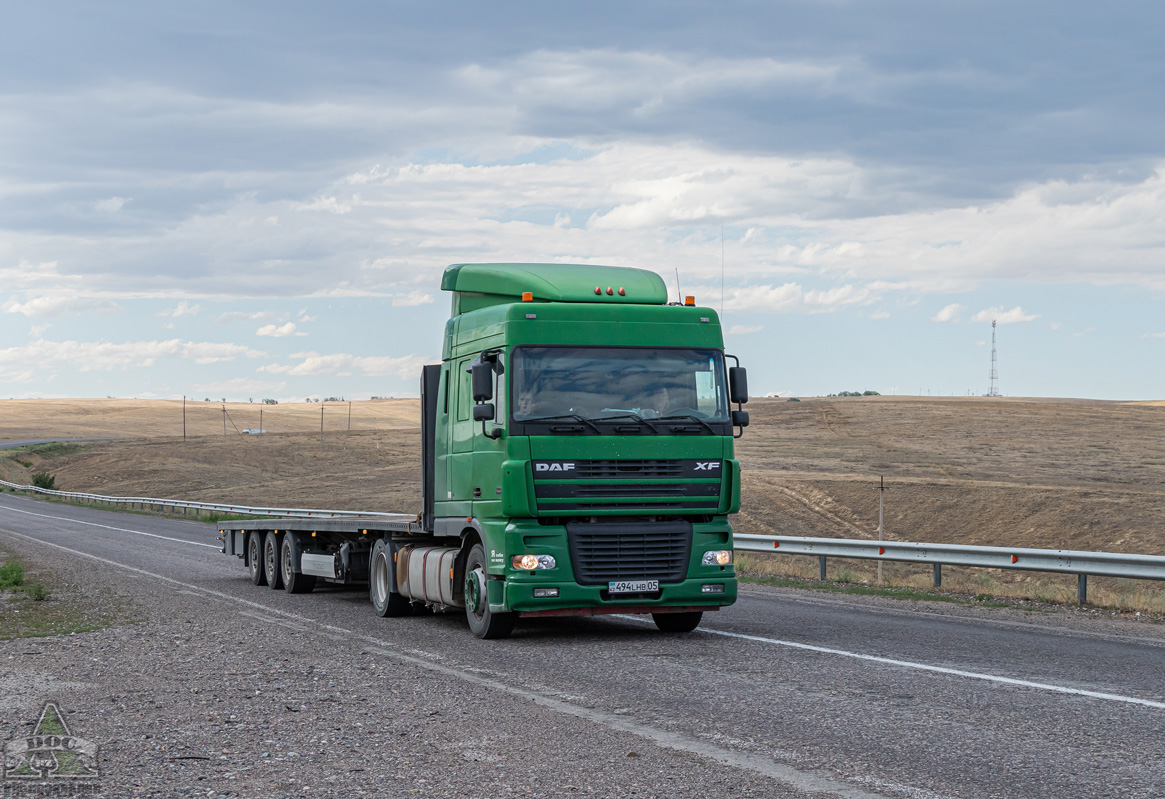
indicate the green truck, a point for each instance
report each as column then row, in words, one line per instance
column 577, row 459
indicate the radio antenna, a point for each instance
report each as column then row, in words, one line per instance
column 722, row 274
column 679, row 292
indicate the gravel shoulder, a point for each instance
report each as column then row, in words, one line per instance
column 201, row 697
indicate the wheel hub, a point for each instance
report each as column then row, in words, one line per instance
column 474, row 589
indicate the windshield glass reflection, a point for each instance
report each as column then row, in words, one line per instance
column 596, row 383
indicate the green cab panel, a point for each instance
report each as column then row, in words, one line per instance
column 479, row 285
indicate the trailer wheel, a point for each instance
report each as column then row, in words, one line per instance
column 271, row 560
column 677, row 622
column 255, row 558
column 293, row 582
column 482, row 622
column 385, row 601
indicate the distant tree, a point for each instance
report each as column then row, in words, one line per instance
column 268, row 401
column 870, row 394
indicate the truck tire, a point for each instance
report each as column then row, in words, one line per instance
column 271, row 560
column 482, row 622
column 293, row 582
column 385, row 601
column 255, row 559
column 677, row 622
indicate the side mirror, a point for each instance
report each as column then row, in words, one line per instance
column 483, row 381
column 740, row 418
column 484, row 412
column 737, row 384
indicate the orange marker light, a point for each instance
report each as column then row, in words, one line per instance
column 610, row 290
column 598, row 290
column 527, row 296
column 689, row 300
column 622, row 293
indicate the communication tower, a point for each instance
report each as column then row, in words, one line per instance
column 993, row 388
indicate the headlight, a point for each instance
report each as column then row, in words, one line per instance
column 717, row 557
column 532, row 562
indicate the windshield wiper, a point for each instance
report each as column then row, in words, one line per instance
column 695, row 419
column 574, row 416
column 629, row 415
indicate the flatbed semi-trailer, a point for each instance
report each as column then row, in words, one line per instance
column 577, row 459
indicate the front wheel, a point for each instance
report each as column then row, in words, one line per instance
column 385, row 601
column 677, row 622
column 482, row 621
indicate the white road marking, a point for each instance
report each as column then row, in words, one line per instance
column 974, row 675
column 109, row 527
column 813, row 782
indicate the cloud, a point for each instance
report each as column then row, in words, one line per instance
column 744, row 330
column 58, row 305
column 1003, row 317
column 39, row 357
column 791, row 297
column 949, row 314
column 413, row 298
column 312, row 363
column 329, row 204
column 230, row 317
column 279, row 331
column 183, row 309
column 111, row 205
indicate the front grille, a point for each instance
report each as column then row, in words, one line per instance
column 649, row 551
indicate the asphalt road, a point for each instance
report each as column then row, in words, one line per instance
column 790, row 693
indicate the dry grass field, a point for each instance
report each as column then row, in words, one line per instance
column 1060, row 474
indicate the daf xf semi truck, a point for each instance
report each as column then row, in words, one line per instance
column 577, row 459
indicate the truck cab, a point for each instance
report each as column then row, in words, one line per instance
column 579, row 447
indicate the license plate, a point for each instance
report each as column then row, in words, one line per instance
column 632, row 586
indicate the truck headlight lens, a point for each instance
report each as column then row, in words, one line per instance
column 532, row 562
column 717, row 557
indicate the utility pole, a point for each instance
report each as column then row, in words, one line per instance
column 321, row 429
column 349, row 416
column 183, row 417
column 224, row 420
column 881, row 489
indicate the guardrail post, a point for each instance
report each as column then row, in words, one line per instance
column 821, row 567
column 1082, row 589
column 938, row 575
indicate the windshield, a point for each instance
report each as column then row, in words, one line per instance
column 596, row 383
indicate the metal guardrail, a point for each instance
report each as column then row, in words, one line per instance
column 1063, row 561
column 209, row 507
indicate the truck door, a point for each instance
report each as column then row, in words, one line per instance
column 460, row 475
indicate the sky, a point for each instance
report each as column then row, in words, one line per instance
column 247, row 200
